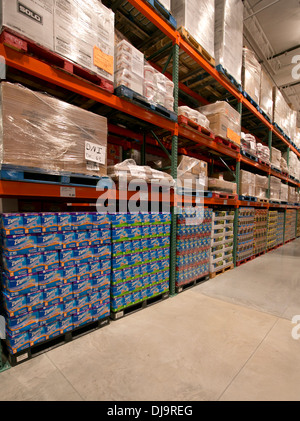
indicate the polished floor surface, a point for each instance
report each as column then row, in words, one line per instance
column 227, row 339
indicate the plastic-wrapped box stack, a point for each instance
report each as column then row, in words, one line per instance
column 247, row 183
column 222, row 186
column 260, row 230
column 290, row 225
column 275, row 188
column 284, row 192
column 263, row 153
column 245, row 240
column 251, row 75
column 293, row 168
column 266, row 94
column 193, row 246
column 292, row 195
column 166, row 4
column 298, row 223
column 198, row 18
column 224, row 120
column 229, row 36
column 280, row 228
column 158, row 89
column 221, row 240
column 192, row 174
column 248, row 144
column 261, row 186
column 129, row 67
column 283, row 166
column 141, row 257
column 194, row 116
column 272, row 229
column 276, row 159
column 282, row 111
column 45, row 133
column 55, row 274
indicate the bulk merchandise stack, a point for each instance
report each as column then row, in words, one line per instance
column 140, row 258
column 193, row 246
column 272, row 229
column 251, row 75
column 280, row 228
column 290, row 225
column 298, row 223
column 245, row 240
column 221, row 255
column 260, row 230
column 55, row 274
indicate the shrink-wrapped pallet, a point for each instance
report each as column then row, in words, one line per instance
column 276, row 158
column 275, row 188
column 261, row 186
column 251, row 74
column 247, row 183
column 266, row 94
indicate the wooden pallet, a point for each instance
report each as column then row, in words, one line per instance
column 191, row 125
column 195, row 44
column 163, row 12
column 262, row 200
column 221, row 195
column 20, row 43
column 191, row 284
column 249, row 155
column 228, row 144
column 261, row 162
column 220, row 271
column 242, row 262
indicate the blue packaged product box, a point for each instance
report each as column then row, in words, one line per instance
column 161, row 253
column 19, row 341
column 117, row 276
column 118, row 219
column 51, row 260
column 15, row 265
column 20, row 285
column 146, row 217
column 127, row 274
column 12, row 224
column 104, row 294
column 136, row 231
column 144, row 294
column 117, row 248
column 82, row 221
column 138, row 258
column 146, row 230
column 52, row 329
column 48, row 242
column 32, row 223
column 136, row 219
column 51, row 297
column 64, row 221
column 155, row 267
column 23, row 323
column 35, row 300
column 49, row 278
column 136, row 284
column 94, row 237
column 160, row 230
column 155, row 289
column 164, row 264
column 128, row 300
column 135, row 245
column 82, row 255
column 19, row 244
column 119, row 233
column 154, row 230
column 127, row 246
column 82, row 318
column 120, row 289
column 165, row 218
column 65, row 291
column 69, row 308
column 145, row 269
column 95, row 269
column 136, row 271
column 83, row 272
column 105, row 264
column 82, row 238
column 81, row 288
column 50, row 314
column 117, row 303
column 101, row 312
column 101, row 281
column 146, row 280
column 83, row 303
column 120, row 262
column 100, row 220
column 36, row 335
column 67, row 258
column 154, row 242
column 49, row 222
column 101, row 252
column 145, row 244
column 66, row 325
column 35, row 262
column 136, row 297
column 69, row 274
column 15, row 306
column 155, row 218
column 153, row 279
column 95, row 299
column 105, row 236
column 68, row 239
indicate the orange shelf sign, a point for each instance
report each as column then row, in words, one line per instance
column 103, row 61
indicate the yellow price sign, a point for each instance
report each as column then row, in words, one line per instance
column 103, row 61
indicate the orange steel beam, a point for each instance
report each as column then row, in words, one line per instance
column 41, row 70
column 255, row 164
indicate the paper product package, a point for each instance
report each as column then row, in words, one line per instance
column 261, row 186
column 158, row 88
column 194, row 115
column 263, row 152
column 84, row 33
column 276, row 158
column 224, row 120
column 129, row 67
column 247, row 183
column 248, row 143
column 49, row 134
column 251, row 74
column 198, row 18
column 229, row 36
column 30, row 18
column 266, row 94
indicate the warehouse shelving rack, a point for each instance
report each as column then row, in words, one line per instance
column 29, row 67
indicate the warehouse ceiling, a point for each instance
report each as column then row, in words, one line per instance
column 272, row 30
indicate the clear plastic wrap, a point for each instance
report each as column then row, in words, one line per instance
column 194, row 115
column 283, row 165
column 198, row 18
column 266, row 94
column 263, row 152
column 219, row 184
column 275, row 188
column 292, row 195
column 158, row 89
column 284, row 193
column 276, row 158
column 293, row 124
column 223, row 119
column 229, row 36
column 43, row 132
column 297, row 137
column 192, row 169
column 251, row 74
column 248, row 143
column 84, row 33
column 247, row 183
column 261, row 186
column 281, row 111
column 134, row 172
column 293, row 168
column 166, row 4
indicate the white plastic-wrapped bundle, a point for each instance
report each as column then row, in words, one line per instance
column 251, row 74
column 166, row 4
column 281, row 111
column 284, row 192
column 129, row 67
column 84, row 33
column 247, row 183
column 297, row 137
column 248, row 143
column 261, row 186
column 263, row 152
column 158, row 88
column 293, row 167
column 283, row 165
column 194, row 115
column 198, row 18
column 292, row 125
column 275, row 188
column 276, row 158
column 266, row 94
column 229, row 36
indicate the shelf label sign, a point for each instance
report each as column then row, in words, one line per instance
column 67, row 192
column 103, row 61
column 95, row 153
column 234, row 137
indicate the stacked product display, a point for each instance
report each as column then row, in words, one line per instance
column 292, row 195
column 247, row 183
column 129, row 67
column 157, row 88
column 193, row 245
column 272, row 229
column 229, row 36
column 245, row 240
column 275, row 189
column 221, row 240
column 248, row 144
column 260, row 230
column 290, row 225
column 55, row 274
column 266, row 95
column 280, row 228
column 141, row 257
column 283, row 115
column 263, row 153
column 251, row 75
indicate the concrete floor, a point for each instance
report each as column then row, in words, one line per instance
column 228, row 339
